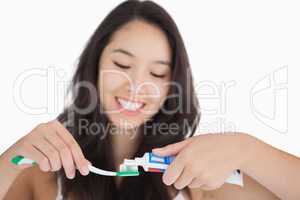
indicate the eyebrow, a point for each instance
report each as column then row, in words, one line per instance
column 123, row 51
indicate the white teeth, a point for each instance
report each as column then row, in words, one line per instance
column 132, row 106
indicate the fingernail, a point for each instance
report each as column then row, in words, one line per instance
column 166, row 181
column 46, row 168
column 85, row 170
column 156, row 150
column 71, row 176
column 89, row 163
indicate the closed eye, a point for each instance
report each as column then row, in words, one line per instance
column 158, row 76
column 121, row 66
column 127, row 67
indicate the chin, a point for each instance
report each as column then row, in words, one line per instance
column 125, row 124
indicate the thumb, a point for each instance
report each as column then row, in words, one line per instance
column 171, row 149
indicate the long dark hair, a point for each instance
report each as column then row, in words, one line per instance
column 96, row 148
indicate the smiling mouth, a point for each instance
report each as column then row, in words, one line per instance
column 129, row 105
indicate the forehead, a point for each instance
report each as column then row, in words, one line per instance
column 144, row 40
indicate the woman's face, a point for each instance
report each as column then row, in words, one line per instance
column 135, row 74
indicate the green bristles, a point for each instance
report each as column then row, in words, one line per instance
column 128, row 170
column 129, row 173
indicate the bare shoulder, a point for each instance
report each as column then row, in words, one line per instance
column 31, row 183
column 251, row 190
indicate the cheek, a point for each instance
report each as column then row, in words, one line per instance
column 111, row 81
column 159, row 96
column 109, row 84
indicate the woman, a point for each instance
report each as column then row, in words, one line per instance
column 133, row 76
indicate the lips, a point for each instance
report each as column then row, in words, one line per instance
column 129, row 105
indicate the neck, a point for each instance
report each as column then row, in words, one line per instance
column 124, row 144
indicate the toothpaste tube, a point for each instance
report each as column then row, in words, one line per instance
column 153, row 163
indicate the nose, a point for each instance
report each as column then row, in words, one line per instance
column 137, row 85
column 141, row 84
column 144, row 89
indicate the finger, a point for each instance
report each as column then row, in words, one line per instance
column 59, row 144
column 79, row 159
column 67, row 161
column 171, row 149
column 49, row 151
column 196, row 183
column 185, row 179
column 31, row 152
column 64, row 151
column 173, row 171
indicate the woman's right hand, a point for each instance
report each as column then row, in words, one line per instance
column 52, row 146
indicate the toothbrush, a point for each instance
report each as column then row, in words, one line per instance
column 154, row 163
column 149, row 162
column 125, row 171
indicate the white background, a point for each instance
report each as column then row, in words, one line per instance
column 251, row 48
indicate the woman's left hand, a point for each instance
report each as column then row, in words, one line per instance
column 206, row 160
